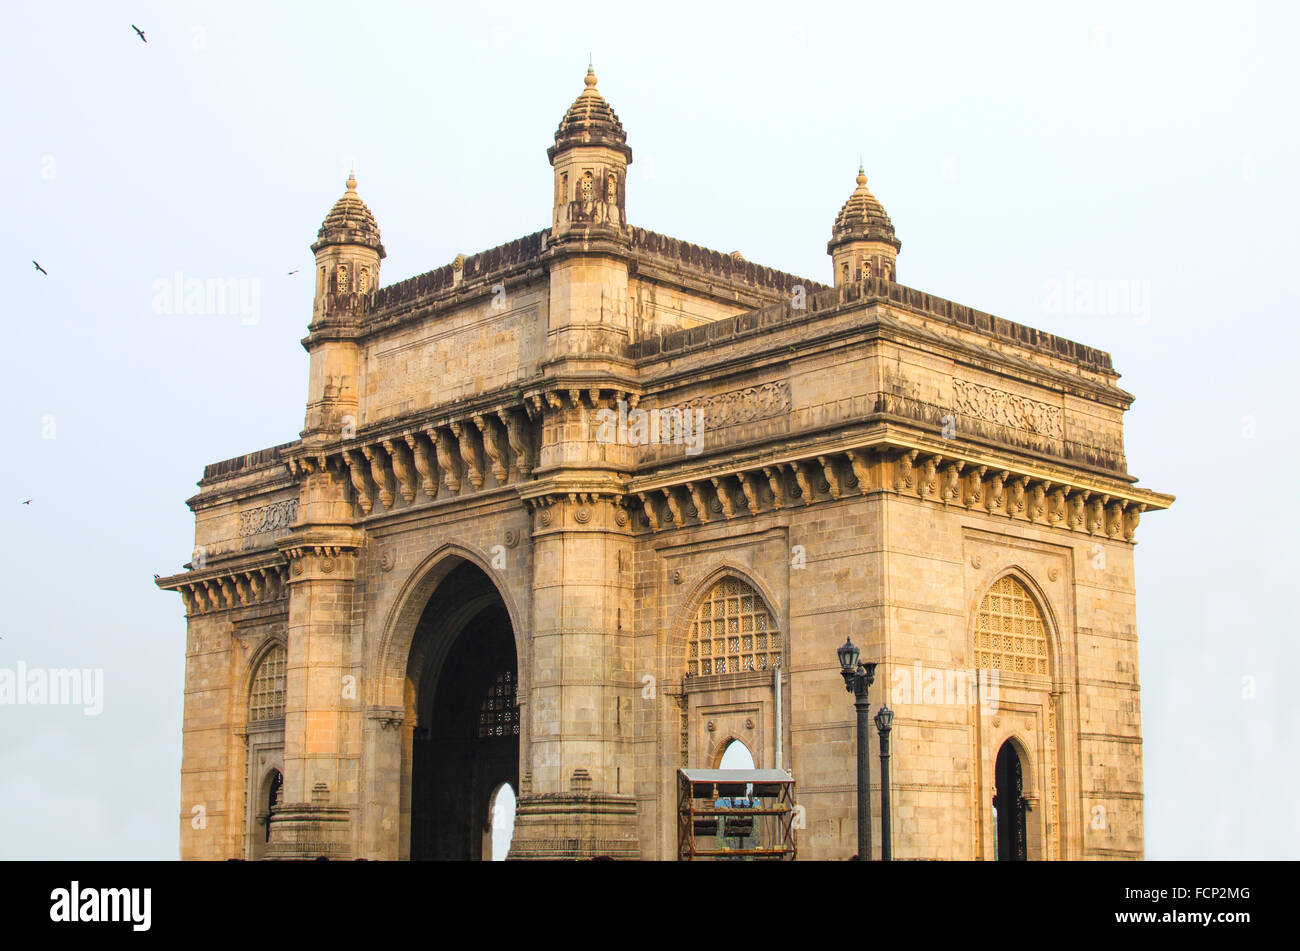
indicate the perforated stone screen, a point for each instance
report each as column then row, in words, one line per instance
column 266, row 700
column 733, row 631
column 1009, row 631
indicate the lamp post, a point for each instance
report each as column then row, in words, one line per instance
column 884, row 723
column 857, row 678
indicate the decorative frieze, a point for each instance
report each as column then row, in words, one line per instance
column 1007, row 409
column 268, row 518
column 743, row 405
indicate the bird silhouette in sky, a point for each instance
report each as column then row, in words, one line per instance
column 41, row 269
column 28, row 502
column 140, row 31
column 294, row 271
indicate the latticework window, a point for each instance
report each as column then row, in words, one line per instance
column 588, row 187
column 1009, row 631
column 499, row 713
column 266, row 699
column 733, row 632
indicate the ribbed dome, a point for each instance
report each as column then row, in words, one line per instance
column 349, row 222
column 590, row 121
column 863, row 217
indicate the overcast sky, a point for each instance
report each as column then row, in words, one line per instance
column 1019, row 150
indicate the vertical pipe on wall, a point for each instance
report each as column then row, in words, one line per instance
column 776, row 684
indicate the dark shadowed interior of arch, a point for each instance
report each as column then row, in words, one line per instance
column 1008, row 806
column 466, row 740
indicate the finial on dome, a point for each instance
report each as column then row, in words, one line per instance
column 352, row 180
column 590, row 79
column 862, row 174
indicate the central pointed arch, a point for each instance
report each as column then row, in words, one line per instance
column 394, row 648
column 451, row 644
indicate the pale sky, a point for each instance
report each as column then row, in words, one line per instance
column 1019, row 149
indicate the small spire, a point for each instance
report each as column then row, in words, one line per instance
column 590, row 79
column 352, row 179
column 862, row 175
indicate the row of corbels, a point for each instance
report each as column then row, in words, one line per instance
column 999, row 491
column 235, row 589
column 926, row 475
column 455, row 455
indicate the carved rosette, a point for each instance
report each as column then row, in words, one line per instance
column 570, row 511
column 324, row 562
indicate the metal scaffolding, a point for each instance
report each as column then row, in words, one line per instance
column 753, row 808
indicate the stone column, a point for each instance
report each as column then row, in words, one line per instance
column 383, row 835
column 579, row 798
column 323, row 712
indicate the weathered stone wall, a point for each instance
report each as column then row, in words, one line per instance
column 492, row 342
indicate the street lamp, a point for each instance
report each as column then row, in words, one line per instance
column 857, row 678
column 884, row 723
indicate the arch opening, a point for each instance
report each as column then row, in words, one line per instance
column 738, row 832
column 1011, row 843
column 463, row 671
column 736, row 756
column 501, row 824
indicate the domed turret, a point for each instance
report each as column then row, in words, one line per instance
column 348, row 248
column 590, row 157
column 348, row 251
column 863, row 244
column 349, row 222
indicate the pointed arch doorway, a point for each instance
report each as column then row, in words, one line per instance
column 465, row 746
column 1009, row 806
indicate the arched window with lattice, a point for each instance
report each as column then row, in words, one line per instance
column 732, row 632
column 266, row 698
column 1010, row 635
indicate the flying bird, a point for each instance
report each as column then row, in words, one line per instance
column 140, row 31
column 294, row 271
column 41, row 269
column 28, row 502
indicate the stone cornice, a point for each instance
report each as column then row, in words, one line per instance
column 777, row 335
column 895, row 461
column 320, row 538
column 652, row 271
column 449, row 300
column 232, row 583
column 852, row 297
column 584, row 486
column 595, row 240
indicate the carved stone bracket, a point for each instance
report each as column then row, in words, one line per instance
column 216, row 590
column 389, row 718
column 923, row 474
